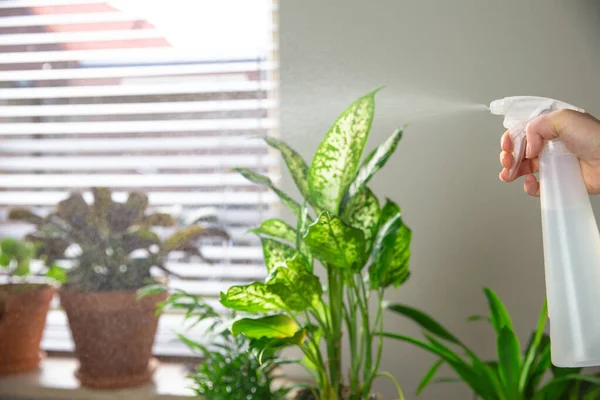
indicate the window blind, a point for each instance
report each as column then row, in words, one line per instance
column 162, row 97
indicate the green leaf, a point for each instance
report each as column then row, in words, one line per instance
column 301, row 229
column 336, row 160
column 256, row 297
column 5, row 259
column 151, row 290
column 593, row 394
column 265, row 348
column 22, row 268
column 374, row 162
column 388, row 211
column 298, row 290
column 363, row 212
column 276, row 228
column 476, row 318
column 551, row 386
column 9, row 246
column 57, row 273
column 272, row 327
column 498, row 314
column 429, row 376
column 335, row 243
column 533, row 348
column 463, row 369
column 276, row 253
column 509, row 357
column 295, row 163
column 383, row 249
column 263, row 180
column 423, row 320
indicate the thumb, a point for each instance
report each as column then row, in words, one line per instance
column 545, row 127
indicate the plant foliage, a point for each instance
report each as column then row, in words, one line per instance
column 113, row 244
column 363, row 247
column 513, row 375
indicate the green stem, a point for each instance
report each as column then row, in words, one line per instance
column 336, row 301
column 396, row 383
column 352, row 334
column 366, row 337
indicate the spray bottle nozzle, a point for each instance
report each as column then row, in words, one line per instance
column 518, row 111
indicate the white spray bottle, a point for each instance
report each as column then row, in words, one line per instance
column 570, row 236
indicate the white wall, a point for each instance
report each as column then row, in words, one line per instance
column 470, row 230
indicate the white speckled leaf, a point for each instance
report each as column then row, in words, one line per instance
column 276, row 253
column 335, row 243
column 256, row 297
column 374, row 162
column 363, row 212
column 299, row 290
column 276, row 228
column 334, row 165
column 295, row 163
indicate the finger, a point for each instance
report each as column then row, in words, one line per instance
column 506, row 143
column 527, row 167
column 544, row 127
column 531, row 185
column 506, row 159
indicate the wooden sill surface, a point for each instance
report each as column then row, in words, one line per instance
column 55, row 380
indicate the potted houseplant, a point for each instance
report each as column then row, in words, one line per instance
column 227, row 370
column 23, row 308
column 514, row 375
column 112, row 247
column 362, row 245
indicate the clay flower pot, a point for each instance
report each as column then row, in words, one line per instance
column 113, row 335
column 23, row 311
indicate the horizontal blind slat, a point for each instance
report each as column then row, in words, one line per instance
column 120, row 72
column 44, row 3
column 122, row 180
column 133, row 90
column 187, row 198
column 135, row 108
column 120, row 145
column 106, row 127
column 108, row 163
column 78, row 37
column 58, row 19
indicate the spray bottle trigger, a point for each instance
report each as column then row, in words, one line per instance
column 519, row 141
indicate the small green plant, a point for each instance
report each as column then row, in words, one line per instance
column 228, row 371
column 513, row 376
column 363, row 246
column 15, row 259
column 113, row 244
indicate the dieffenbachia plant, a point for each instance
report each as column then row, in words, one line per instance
column 514, row 375
column 363, row 246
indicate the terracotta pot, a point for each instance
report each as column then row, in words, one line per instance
column 113, row 335
column 23, row 311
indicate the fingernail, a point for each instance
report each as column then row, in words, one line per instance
column 500, row 175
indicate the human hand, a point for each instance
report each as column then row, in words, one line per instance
column 580, row 133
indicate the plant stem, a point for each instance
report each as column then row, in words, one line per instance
column 352, row 333
column 396, row 383
column 336, row 301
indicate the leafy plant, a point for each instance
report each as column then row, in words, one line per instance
column 363, row 246
column 513, row 376
column 15, row 259
column 113, row 244
column 228, row 371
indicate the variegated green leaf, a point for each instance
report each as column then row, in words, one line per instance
column 363, row 212
column 374, row 162
column 256, row 297
column 398, row 270
column 301, row 228
column 263, row 180
column 295, row 163
column 383, row 250
column 335, row 162
column 272, row 327
column 299, row 290
column 335, row 243
column 276, row 253
column 276, row 228
column 388, row 211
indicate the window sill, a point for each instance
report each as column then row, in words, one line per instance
column 55, row 380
